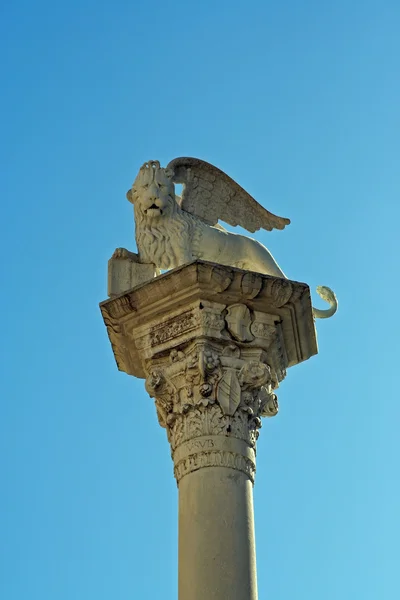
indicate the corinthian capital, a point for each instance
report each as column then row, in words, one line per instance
column 213, row 344
column 210, row 400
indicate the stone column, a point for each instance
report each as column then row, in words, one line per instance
column 213, row 343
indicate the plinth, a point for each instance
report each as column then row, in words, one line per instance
column 213, row 343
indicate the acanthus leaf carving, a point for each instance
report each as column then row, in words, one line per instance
column 217, row 423
column 194, row 424
column 211, row 388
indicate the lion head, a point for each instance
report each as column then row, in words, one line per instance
column 163, row 230
column 153, row 192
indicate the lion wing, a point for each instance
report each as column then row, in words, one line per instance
column 211, row 195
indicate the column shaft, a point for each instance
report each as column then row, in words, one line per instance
column 217, row 559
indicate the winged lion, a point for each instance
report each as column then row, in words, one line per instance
column 173, row 230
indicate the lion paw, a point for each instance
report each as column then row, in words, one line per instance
column 124, row 253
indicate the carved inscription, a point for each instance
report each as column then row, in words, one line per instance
column 173, row 327
column 200, row 444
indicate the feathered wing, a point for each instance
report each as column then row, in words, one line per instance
column 211, row 195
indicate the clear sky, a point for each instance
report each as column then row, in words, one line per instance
column 299, row 102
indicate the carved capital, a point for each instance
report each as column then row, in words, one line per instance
column 213, row 343
column 210, row 399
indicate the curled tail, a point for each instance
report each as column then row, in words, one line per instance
column 329, row 296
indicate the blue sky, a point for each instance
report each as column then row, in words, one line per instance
column 297, row 101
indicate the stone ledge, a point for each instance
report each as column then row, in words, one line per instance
column 191, row 301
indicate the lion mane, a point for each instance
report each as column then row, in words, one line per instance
column 161, row 241
column 157, row 242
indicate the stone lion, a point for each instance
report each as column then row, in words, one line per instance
column 173, row 230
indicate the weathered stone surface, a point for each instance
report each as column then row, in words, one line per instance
column 125, row 273
column 195, row 300
column 217, row 557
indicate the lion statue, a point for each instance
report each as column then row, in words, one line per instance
column 173, row 230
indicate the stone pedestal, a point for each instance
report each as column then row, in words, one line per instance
column 213, row 343
column 125, row 272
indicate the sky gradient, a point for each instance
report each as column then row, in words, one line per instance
column 299, row 103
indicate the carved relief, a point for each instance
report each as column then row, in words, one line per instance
column 231, row 350
column 120, row 307
column 173, row 327
column 251, row 285
column 267, row 330
column 211, row 362
column 211, row 386
column 114, row 335
column 218, row 278
column 157, row 385
column 262, row 330
column 280, row 291
column 216, row 422
column 215, row 458
column 207, row 389
column 238, row 322
column 268, row 403
column 211, row 317
column 254, row 375
column 229, row 392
